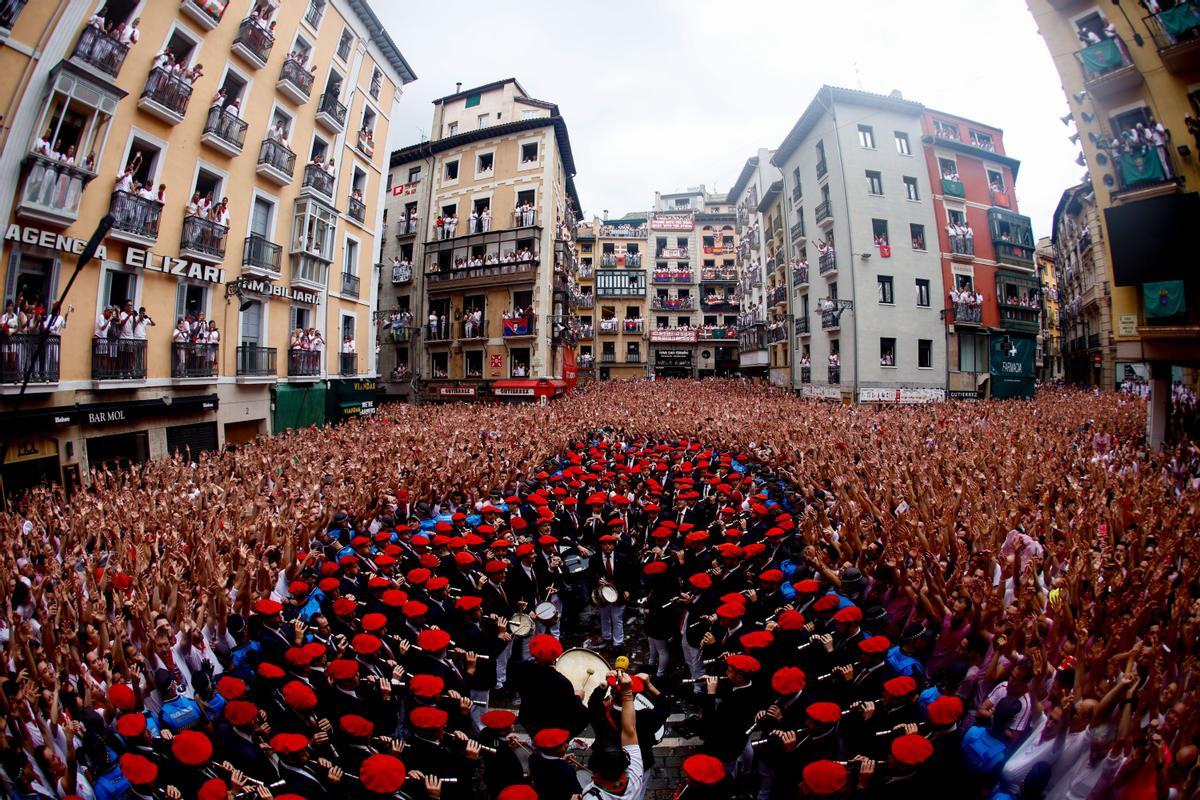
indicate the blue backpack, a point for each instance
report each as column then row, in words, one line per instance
column 983, row 753
column 112, row 785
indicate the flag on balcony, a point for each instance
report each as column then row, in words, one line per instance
column 1140, row 168
column 1181, row 19
column 1102, row 57
column 1164, row 299
column 885, row 251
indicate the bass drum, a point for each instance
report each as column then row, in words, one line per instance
column 583, row 668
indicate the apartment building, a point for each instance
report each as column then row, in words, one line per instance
column 484, row 215
column 1087, row 346
column 758, row 175
column 1126, row 72
column 585, row 301
column 992, row 292
column 621, row 297
column 860, row 207
column 1049, row 356
column 777, row 297
column 92, row 115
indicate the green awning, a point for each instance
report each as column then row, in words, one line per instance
column 299, row 406
column 1164, row 299
column 1102, row 57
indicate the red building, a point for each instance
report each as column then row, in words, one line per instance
column 987, row 251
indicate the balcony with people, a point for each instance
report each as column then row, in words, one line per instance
column 318, row 179
column 224, row 130
column 720, row 301
column 304, row 362
column 962, row 241
column 717, row 333
column 1012, row 237
column 402, row 271
column 634, row 325
column 777, row 296
column 680, row 273
column 167, row 94
column 519, row 323
column 1142, row 160
column 136, row 217
column 800, row 274
column 295, row 78
column 20, row 356
column 666, row 303
column 967, row 305
column 1176, row 33
column 1107, row 68
column 407, row 226
column 620, row 259
column 276, row 161
column 331, row 113
column 356, row 207
column 487, row 266
column 718, row 274
column 255, row 39
column 365, row 142
column 1019, row 301
column 118, row 359
column 193, row 359
column 103, row 48
column 205, row 13
column 609, row 327
column 827, row 260
column 203, row 239
column 623, row 231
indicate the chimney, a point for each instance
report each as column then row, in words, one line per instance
column 458, row 87
column 896, row 95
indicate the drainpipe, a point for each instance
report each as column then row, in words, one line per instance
column 785, row 204
column 850, row 233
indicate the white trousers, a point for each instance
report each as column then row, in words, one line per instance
column 660, row 657
column 612, row 624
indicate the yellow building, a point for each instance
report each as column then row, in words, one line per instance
column 156, row 113
column 1087, row 349
column 1125, row 73
column 488, row 210
column 1049, row 353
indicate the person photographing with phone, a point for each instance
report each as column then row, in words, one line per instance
column 617, row 771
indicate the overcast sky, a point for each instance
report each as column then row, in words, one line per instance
column 663, row 95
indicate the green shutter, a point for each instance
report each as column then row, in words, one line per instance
column 473, row 100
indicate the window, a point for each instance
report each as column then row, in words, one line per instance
column 797, row 191
column 351, row 262
column 485, row 163
column 529, row 113
column 452, row 129
column 955, row 216
column 972, row 353
column 874, row 182
column 376, row 83
column 945, row 130
column 473, row 100
column 452, row 170
column 191, row 300
column 683, row 322
column 474, row 363
column 483, row 121
column 529, row 152
column 879, row 230
column 683, row 202
column 923, row 292
column 866, row 136
column 983, row 141
column 440, row 362
column 995, row 180
column 887, row 352
column 925, row 353
column 414, row 175
column 949, row 168
column 822, row 167
column 344, row 45
column 902, row 146
column 119, row 288
column 918, row 236
column 887, row 295
column 910, row 188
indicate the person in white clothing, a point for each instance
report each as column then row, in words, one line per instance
column 617, row 772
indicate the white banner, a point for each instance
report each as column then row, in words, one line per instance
column 820, row 392
column 674, row 222
column 673, row 336
column 903, row 396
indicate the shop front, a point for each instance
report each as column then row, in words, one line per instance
column 30, row 461
column 518, row 389
column 298, row 406
column 350, row 399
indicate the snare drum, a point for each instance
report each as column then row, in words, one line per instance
column 546, row 614
column 520, row 624
column 605, row 596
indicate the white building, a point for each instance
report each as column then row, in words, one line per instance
column 747, row 192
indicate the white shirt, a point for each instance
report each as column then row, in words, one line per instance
column 139, row 328
column 635, row 789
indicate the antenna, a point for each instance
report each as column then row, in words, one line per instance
column 858, row 76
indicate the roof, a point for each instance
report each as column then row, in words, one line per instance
column 744, row 177
column 770, row 196
column 825, row 97
column 1070, row 197
column 416, row 152
column 973, row 151
column 380, row 37
column 487, row 87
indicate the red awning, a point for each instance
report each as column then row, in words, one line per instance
column 528, row 387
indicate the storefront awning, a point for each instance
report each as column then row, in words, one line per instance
column 528, row 387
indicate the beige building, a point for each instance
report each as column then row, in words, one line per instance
column 1086, row 346
column 197, row 102
column 484, row 216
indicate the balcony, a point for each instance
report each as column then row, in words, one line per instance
column 827, row 263
column 203, row 240
column 1018, row 318
column 962, row 248
column 166, row 96
column 348, row 364
column 673, row 303
column 586, row 301
column 317, row 181
column 1150, row 168
column 633, row 358
column 610, row 327
column 718, row 275
column 835, row 375
column 1176, row 33
column 776, row 332
column 261, row 257
column 806, row 374
column 309, row 272
column 295, row 82
column 1093, row 341
column 673, row 276
column 778, row 296
column 331, row 113
column 1012, row 237
column 118, row 359
column 719, row 302
column 356, row 209
column 953, row 187
column 254, row 361
column 513, row 271
column 473, row 329
column 52, row 190
column 824, row 212
column 224, row 131
column 315, row 13
column 718, row 334
column 798, row 231
column 400, row 334
column 365, row 142
column 620, row 259
column 519, row 326
column 253, row 44
column 674, row 253
column 407, row 227
column 19, row 351
column 303, row 363
column 799, row 276
column 637, row 326
column 193, row 360
column 135, row 219
column 968, row 314
column 802, row 326
column 831, row 320
column 100, row 51
column 525, row 219
column 1001, row 199
column 276, row 162
column 350, row 284
column 1107, row 69
column 608, row 358
column 438, row 333
column 401, row 274
column 206, row 15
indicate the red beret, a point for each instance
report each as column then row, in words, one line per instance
column 874, row 645
column 138, row 770
column 788, row 680
column 327, row 585
column 269, row 671
column 608, row 538
column 728, row 550
column 374, row 622
column 731, row 611
column 826, row 602
column 431, row 640
column 518, row 791
column 231, row 688
column 464, row 559
column 365, row 644
column 299, row 696
column 754, row 550
column 524, row 549
column 547, row 539
column 376, row 582
column 297, row 657
column 329, row 568
column 348, row 561
column 414, row 608
column 545, row 648
column 131, row 725
column 342, row 669
column 945, row 710
column 771, row 576
column 344, row 607
column 495, row 567
column 298, row 587
column 736, row 598
column 704, row 770
column 315, row 650
column 267, row 607
column 773, row 533
column 498, row 718
column 468, row 602
column 898, row 687
column 418, row 576
column 824, row 713
column 756, row 640
column 696, row 537
column 420, row 540
column 550, row 738
column 240, row 712
column 791, row 620
column 825, row 777
column 213, row 789
column 289, row 743
column 807, row 586
column 121, row 697
column 194, row 748
column 655, row 568
column 701, row 580
column 426, row 686
column 381, row 774
column 437, row 583
column 354, row 725
column 911, row 749
column 848, row 614
column 428, row 717
column 744, row 664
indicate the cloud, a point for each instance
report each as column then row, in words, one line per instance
column 662, row 95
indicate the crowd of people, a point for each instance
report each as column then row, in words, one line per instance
column 968, row 599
